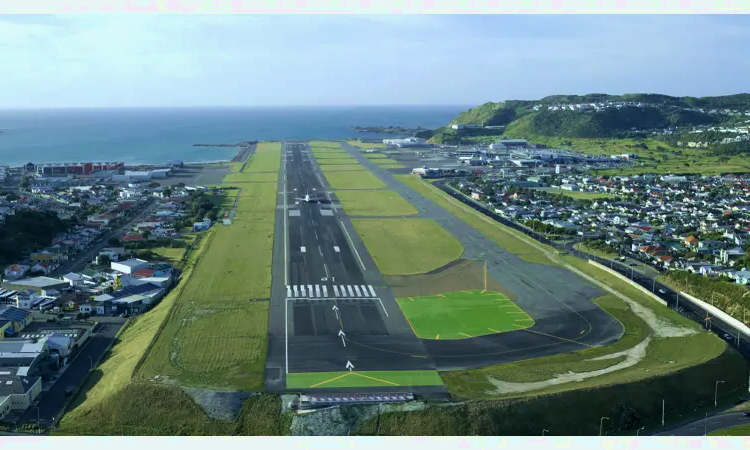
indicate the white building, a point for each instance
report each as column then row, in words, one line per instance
column 17, row 393
column 129, row 266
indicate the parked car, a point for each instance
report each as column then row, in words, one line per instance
column 662, row 291
column 727, row 337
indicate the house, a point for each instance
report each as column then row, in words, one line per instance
column 129, row 266
column 43, row 267
column 742, row 277
column 60, row 344
column 26, row 299
column 48, row 256
column 15, row 271
column 5, row 328
column 131, row 238
column 17, row 393
column 691, row 242
column 477, row 195
column 203, row 225
column 74, row 279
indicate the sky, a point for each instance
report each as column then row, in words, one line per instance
column 132, row 60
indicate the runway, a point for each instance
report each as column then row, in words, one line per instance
column 329, row 305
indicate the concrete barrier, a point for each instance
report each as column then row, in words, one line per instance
column 629, row 281
column 719, row 314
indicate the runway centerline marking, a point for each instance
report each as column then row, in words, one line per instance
column 319, row 249
column 326, row 269
column 351, row 244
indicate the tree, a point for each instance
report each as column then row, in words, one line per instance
column 114, row 242
column 167, row 192
column 145, row 234
column 104, row 260
column 11, row 197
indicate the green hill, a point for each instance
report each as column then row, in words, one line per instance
column 628, row 116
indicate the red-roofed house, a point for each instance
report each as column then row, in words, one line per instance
column 131, row 238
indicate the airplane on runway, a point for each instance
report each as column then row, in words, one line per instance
column 308, row 199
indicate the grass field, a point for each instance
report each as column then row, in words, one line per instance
column 407, row 246
column 338, row 161
column 365, row 145
column 363, row 379
column 339, row 167
column 463, row 314
column 216, row 334
column 376, row 202
column 353, row 180
column 376, row 156
column 327, row 153
column 266, row 158
column 325, row 144
column 502, row 235
column 739, row 430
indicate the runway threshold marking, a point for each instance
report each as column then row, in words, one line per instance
column 332, row 379
column 375, row 379
column 555, row 337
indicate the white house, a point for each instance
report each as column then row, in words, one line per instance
column 15, row 271
column 129, row 266
column 26, row 298
column 74, row 279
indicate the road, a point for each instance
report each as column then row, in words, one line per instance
column 320, row 263
column 704, row 426
column 52, row 401
column 83, row 258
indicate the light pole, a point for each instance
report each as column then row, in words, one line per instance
column 705, row 425
column 544, row 431
column 639, row 430
column 37, row 415
column 601, row 424
column 91, row 360
column 716, row 394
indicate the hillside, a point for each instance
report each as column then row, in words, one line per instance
column 598, row 116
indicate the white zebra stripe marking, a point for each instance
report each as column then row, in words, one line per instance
column 372, row 291
column 335, row 291
column 356, row 289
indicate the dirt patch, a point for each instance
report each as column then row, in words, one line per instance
column 458, row 275
column 632, row 355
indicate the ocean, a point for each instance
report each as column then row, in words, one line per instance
column 158, row 135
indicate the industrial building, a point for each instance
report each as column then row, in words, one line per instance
column 81, row 168
column 142, row 175
column 40, row 284
column 17, row 393
column 406, row 142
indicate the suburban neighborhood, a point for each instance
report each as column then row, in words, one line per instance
column 113, row 252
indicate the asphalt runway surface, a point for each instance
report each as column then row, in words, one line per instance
column 320, row 262
column 558, row 300
column 322, row 250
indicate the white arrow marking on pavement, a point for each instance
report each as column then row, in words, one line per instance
column 349, row 365
column 336, row 310
column 341, row 333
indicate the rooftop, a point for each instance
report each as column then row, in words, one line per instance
column 39, row 282
column 13, row 384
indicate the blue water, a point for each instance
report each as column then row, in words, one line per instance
column 158, row 135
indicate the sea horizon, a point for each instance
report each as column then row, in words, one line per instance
column 155, row 135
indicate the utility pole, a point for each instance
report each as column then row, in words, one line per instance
column 662, row 412
column 716, row 394
column 601, row 424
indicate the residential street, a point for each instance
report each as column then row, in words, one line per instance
column 80, row 261
column 52, row 400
